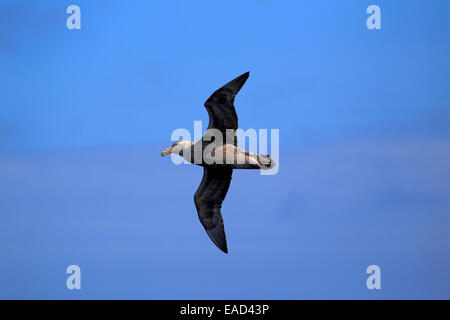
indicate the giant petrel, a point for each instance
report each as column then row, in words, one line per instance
column 218, row 154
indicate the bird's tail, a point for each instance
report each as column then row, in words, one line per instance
column 265, row 162
column 254, row 161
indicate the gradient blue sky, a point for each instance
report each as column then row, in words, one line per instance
column 364, row 119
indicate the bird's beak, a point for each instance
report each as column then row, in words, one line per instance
column 236, row 84
column 166, row 152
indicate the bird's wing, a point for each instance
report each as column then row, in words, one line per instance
column 220, row 107
column 208, row 201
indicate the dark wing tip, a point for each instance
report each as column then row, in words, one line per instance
column 217, row 235
column 222, row 245
column 236, row 84
column 245, row 75
column 218, row 239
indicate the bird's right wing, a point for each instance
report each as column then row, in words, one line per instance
column 208, row 201
column 220, row 107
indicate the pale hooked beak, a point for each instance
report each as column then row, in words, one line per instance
column 166, row 152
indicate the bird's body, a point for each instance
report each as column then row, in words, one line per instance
column 218, row 154
column 223, row 155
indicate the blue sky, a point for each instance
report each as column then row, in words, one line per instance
column 364, row 149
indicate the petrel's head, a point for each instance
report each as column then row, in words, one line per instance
column 177, row 148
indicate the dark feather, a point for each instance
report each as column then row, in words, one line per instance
column 221, row 111
column 208, row 201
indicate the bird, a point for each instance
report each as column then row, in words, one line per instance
column 217, row 152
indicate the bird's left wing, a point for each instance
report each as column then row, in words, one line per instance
column 220, row 107
column 208, row 201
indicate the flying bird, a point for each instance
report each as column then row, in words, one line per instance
column 217, row 152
